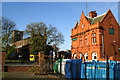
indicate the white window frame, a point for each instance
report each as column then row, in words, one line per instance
column 82, row 25
column 75, row 56
column 95, row 38
column 85, row 39
column 86, row 55
column 93, row 55
column 81, row 55
column 94, row 41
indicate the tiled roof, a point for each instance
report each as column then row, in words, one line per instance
column 95, row 19
column 21, row 43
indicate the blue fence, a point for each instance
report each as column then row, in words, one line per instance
column 73, row 69
column 95, row 69
column 68, row 69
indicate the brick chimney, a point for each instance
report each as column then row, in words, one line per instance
column 92, row 14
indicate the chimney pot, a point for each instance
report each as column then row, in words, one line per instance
column 92, row 14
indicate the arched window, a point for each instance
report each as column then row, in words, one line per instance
column 94, row 56
column 86, row 56
column 81, row 55
column 75, row 57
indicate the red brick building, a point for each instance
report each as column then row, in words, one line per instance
column 22, row 45
column 95, row 37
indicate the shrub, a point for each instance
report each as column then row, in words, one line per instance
column 42, row 69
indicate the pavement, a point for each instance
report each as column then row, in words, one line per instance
column 29, row 76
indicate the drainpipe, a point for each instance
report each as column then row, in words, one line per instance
column 103, row 44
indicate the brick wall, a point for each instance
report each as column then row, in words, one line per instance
column 3, row 60
column 17, row 68
column 110, row 22
column 80, row 32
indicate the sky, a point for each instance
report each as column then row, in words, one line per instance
column 62, row 15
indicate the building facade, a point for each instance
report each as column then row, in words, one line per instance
column 17, row 36
column 23, row 47
column 95, row 37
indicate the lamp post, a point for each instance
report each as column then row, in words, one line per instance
column 115, row 55
column 115, row 47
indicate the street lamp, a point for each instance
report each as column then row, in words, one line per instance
column 118, row 48
column 116, row 43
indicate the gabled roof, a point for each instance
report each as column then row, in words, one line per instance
column 96, row 19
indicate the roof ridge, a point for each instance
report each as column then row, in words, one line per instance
column 97, row 16
column 100, row 15
column 93, row 20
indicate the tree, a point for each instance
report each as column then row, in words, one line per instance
column 7, row 28
column 11, row 52
column 41, row 36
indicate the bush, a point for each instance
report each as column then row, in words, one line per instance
column 42, row 69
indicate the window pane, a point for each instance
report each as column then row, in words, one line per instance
column 94, row 34
column 85, row 41
column 86, row 57
column 95, row 57
column 111, row 31
column 80, row 43
column 95, row 39
column 80, row 55
column 85, row 37
column 80, row 38
column 92, row 41
column 82, row 25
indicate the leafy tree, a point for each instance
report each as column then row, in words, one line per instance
column 41, row 36
column 11, row 50
column 7, row 27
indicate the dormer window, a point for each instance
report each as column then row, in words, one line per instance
column 82, row 25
